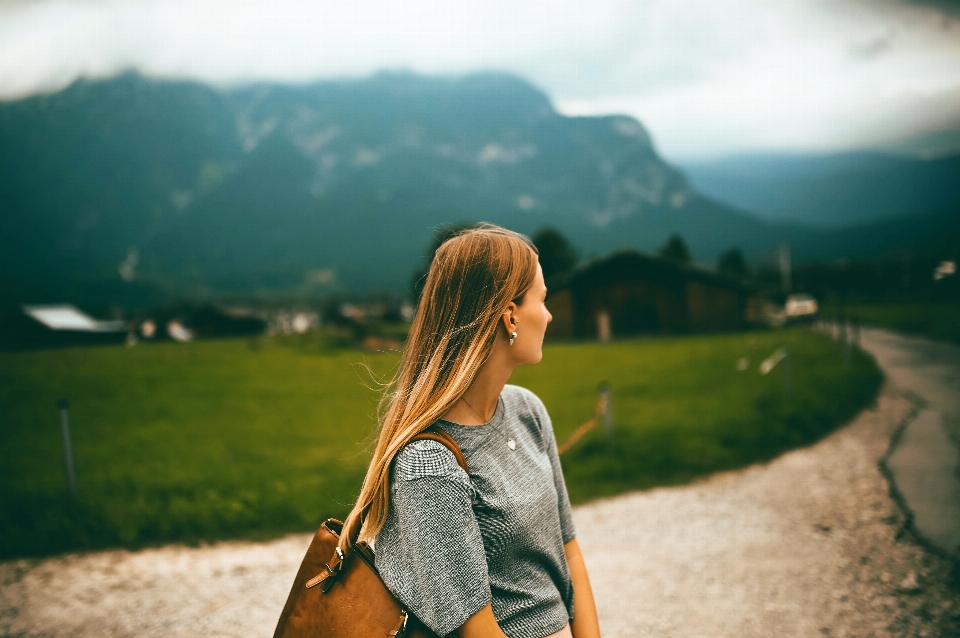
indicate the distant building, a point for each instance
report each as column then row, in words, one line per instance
column 56, row 326
column 213, row 321
column 186, row 322
column 294, row 322
column 629, row 293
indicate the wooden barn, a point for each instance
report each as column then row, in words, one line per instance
column 629, row 293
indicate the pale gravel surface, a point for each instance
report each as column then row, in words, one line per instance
column 806, row 545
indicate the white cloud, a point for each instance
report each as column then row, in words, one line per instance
column 794, row 78
column 705, row 76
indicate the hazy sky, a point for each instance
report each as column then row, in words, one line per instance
column 707, row 77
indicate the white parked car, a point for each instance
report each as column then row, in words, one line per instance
column 800, row 307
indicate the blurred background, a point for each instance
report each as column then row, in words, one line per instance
column 215, row 217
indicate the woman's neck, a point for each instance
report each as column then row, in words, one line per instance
column 479, row 402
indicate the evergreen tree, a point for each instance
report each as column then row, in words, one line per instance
column 557, row 254
column 732, row 264
column 675, row 250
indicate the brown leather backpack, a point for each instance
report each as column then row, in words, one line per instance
column 338, row 595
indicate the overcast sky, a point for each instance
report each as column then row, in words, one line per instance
column 707, row 77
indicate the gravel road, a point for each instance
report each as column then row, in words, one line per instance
column 810, row 544
column 925, row 464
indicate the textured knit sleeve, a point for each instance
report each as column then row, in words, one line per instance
column 430, row 553
column 563, row 499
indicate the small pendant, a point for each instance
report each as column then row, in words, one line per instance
column 511, row 444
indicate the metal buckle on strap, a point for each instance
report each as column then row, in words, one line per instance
column 331, row 572
column 401, row 629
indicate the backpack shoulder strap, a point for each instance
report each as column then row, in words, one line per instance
column 442, row 436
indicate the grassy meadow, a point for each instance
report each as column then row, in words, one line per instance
column 253, row 438
column 939, row 321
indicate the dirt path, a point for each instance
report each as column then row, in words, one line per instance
column 804, row 546
column 808, row 545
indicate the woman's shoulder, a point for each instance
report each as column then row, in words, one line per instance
column 520, row 399
column 425, row 457
column 523, row 406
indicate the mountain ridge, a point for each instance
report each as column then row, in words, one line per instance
column 131, row 189
column 833, row 190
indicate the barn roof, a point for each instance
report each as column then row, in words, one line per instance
column 67, row 317
column 628, row 264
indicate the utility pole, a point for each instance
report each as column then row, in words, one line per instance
column 785, row 276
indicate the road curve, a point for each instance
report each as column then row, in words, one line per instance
column 924, row 461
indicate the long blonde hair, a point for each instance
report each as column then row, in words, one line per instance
column 472, row 279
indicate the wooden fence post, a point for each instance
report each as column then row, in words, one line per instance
column 787, row 372
column 607, row 409
column 64, row 406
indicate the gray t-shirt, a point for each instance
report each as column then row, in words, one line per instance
column 453, row 542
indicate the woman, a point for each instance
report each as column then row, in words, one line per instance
column 492, row 553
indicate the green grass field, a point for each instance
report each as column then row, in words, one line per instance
column 256, row 438
column 938, row 321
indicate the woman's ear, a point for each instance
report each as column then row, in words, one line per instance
column 509, row 318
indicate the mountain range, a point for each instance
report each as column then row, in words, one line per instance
column 133, row 189
column 829, row 191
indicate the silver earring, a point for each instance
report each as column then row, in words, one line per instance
column 513, row 335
